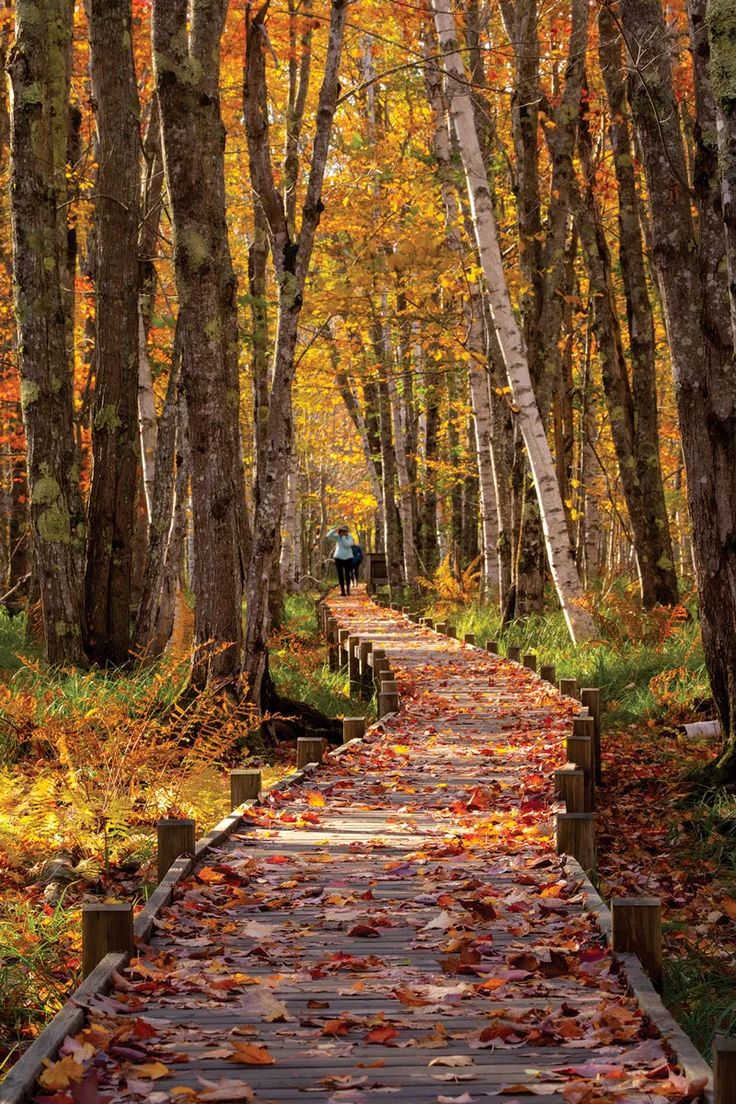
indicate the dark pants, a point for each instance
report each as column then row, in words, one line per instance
column 344, row 573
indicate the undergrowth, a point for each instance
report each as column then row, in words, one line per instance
column 89, row 761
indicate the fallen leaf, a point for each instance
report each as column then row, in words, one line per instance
column 251, row 1054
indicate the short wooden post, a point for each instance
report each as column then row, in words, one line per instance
column 580, row 751
column 354, row 665
column 637, row 929
column 174, row 839
column 492, row 646
column 245, row 785
column 590, row 696
column 388, row 698
column 334, row 662
column 513, row 653
column 530, row 661
column 569, row 688
column 429, row 624
column 724, row 1070
column 570, row 788
column 414, row 618
column 381, row 670
column 440, row 626
column 575, row 835
column 548, row 673
column 394, row 606
column 353, row 728
column 470, row 638
column 451, row 631
column 308, row 750
column 106, row 929
column 406, row 610
column 366, row 670
column 343, row 635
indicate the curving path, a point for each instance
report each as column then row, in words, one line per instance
column 396, row 927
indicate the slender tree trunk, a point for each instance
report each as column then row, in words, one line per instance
column 721, row 23
column 292, row 259
column 705, row 388
column 111, row 509
column 39, row 75
column 391, row 518
column 151, row 205
column 187, row 66
column 634, row 430
column 559, row 553
column 402, row 476
column 290, row 529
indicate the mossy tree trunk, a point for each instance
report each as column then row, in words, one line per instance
column 39, row 72
column 186, row 39
column 705, row 386
column 721, row 26
column 115, row 447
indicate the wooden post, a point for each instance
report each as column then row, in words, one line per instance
column 308, row 750
column 429, row 624
column 353, row 728
column 440, row 626
column 245, row 785
column 366, row 671
column 724, row 1070
column 106, row 929
column 530, row 661
column 575, row 835
column 569, row 688
column 406, row 610
column 548, row 673
column 590, row 696
column 470, row 638
column 354, row 665
column 388, row 698
column 570, row 788
column 414, row 618
column 174, row 839
column 513, row 653
column 637, row 929
column 379, row 663
column 492, row 646
column 580, row 751
column 451, row 631
column 343, row 635
column 332, row 643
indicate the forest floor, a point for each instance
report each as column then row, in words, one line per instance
column 656, row 836
column 88, row 763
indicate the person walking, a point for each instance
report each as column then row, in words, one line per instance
column 343, row 556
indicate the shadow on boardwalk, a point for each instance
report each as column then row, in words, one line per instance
column 398, row 926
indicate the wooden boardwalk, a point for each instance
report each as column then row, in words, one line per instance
column 396, row 926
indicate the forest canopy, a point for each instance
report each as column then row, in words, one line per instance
column 460, row 275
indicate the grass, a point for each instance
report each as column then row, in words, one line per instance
column 61, row 736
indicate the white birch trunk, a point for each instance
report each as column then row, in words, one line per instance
column 147, row 423
column 289, row 563
column 409, row 547
column 564, row 573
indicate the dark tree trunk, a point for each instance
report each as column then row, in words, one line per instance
column 721, row 22
column 652, row 539
column 39, row 73
column 187, row 66
column 115, row 451
column 705, row 386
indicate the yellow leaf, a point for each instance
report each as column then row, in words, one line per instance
column 151, row 1071
column 59, row 1075
column 316, row 800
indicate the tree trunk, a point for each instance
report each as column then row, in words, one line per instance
column 652, row 536
column 187, row 68
column 633, row 428
column 559, row 553
column 39, row 73
column 292, row 258
column 111, row 509
column 705, row 388
column 721, row 21
column 391, row 519
column 402, row 474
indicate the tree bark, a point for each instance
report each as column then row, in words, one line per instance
column 721, row 25
column 562, row 565
column 39, row 74
column 652, row 537
column 187, row 69
column 114, row 409
column 704, row 386
column 292, row 258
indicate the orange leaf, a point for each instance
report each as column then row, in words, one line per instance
column 59, row 1075
column 380, row 1035
column 250, row 1054
column 316, row 800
